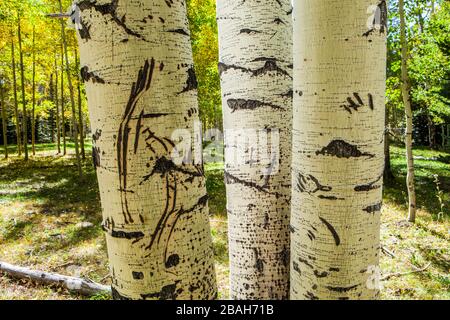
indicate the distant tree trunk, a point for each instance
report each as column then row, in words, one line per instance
column 431, row 132
column 58, row 122
column 72, row 98
column 338, row 148
column 256, row 79
column 24, row 102
column 33, row 120
column 63, row 117
column 80, row 111
column 387, row 175
column 409, row 120
column 16, row 100
column 52, row 112
column 136, row 62
column 4, row 121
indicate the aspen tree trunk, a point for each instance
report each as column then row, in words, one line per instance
column 63, row 117
column 338, row 148
column 256, row 78
column 136, row 62
column 16, row 101
column 409, row 121
column 387, row 175
column 33, row 138
column 24, row 102
column 4, row 122
column 52, row 112
column 72, row 98
column 80, row 111
column 58, row 122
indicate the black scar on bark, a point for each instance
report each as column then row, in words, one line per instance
column 288, row 94
column 244, row 104
column 295, row 266
column 96, row 156
column 269, row 65
column 341, row 289
column 167, row 292
column 381, row 15
column 169, row 3
column 352, row 105
column 84, row 32
column 123, row 234
column 230, row 179
column 285, row 256
column 368, row 187
column 305, row 262
column 137, row 275
column 310, row 296
column 259, row 263
column 97, row 135
column 248, row 31
column 179, row 31
column 341, row 149
column 87, row 76
column 117, row 296
column 191, row 82
column 309, row 184
column 320, row 274
column 142, row 84
column 172, row 261
column 337, row 240
column 373, row 208
column 109, row 9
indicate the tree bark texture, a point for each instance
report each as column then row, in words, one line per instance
column 136, row 62
column 255, row 67
column 338, row 147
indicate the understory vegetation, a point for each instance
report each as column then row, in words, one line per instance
column 51, row 221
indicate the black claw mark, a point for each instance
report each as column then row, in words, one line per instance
column 96, row 156
column 380, row 19
column 342, row 149
column 139, row 87
column 341, row 289
column 337, row 240
column 352, row 105
column 179, row 31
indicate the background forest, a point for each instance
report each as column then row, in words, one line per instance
column 50, row 217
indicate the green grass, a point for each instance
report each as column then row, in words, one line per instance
column 42, row 203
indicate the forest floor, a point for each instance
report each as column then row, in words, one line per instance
column 50, row 221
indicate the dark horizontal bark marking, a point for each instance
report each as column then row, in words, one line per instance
column 230, row 179
column 248, row 31
column 243, row 104
column 320, row 274
column 172, row 261
column 309, row 184
column 342, row 149
column 179, row 31
column 329, row 197
column 369, row 186
column 167, row 292
column 337, row 240
column 305, row 262
column 373, row 208
column 341, row 289
column 125, row 235
column 270, row 65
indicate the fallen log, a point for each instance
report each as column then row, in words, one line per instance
column 78, row 285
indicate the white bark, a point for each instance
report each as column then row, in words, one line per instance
column 81, row 286
column 410, row 176
column 255, row 65
column 338, row 143
column 136, row 61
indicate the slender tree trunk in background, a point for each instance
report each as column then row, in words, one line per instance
column 431, row 132
column 4, row 122
column 80, row 111
column 256, row 79
column 63, row 117
column 52, row 98
column 58, row 122
column 338, row 148
column 387, row 175
column 72, row 98
column 409, row 120
column 33, row 125
column 16, row 100
column 141, row 88
column 24, row 102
